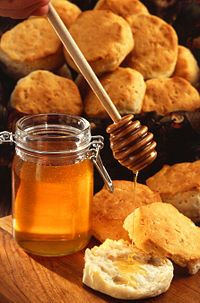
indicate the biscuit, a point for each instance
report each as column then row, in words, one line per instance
column 30, row 45
column 160, row 229
column 110, row 209
column 125, row 87
column 170, row 94
column 156, row 46
column 104, row 38
column 179, row 185
column 67, row 11
column 186, row 65
column 122, row 8
column 43, row 92
column 122, row 271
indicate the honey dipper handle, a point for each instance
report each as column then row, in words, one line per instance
column 82, row 63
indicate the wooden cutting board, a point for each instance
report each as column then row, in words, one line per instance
column 31, row 279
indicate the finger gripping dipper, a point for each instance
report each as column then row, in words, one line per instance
column 131, row 143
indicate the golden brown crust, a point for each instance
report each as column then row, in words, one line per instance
column 187, row 202
column 67, row 11
column 179, row 185
column 170, row 94
column 123, row 8
column 159, row 228
column 20, row 46
column 186, row 65
column 104, row 38
column 125, row 87
column 110, row 209
column 180, row 177
column 43, row 92
column 39, row 49
column 156, row 46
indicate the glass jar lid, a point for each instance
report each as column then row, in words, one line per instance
column 53, row 133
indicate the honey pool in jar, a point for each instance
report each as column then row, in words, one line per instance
column 52, row 184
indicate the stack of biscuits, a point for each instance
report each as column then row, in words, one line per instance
column 135, row 54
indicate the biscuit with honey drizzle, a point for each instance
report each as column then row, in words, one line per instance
column 121, row 270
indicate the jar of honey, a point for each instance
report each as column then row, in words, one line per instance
column 52, row 182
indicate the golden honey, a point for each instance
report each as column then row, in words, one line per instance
column 128, row 268
column 135, row 177
column 52, row 186
column 52, row 206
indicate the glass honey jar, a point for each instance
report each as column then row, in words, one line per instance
column 52, row 182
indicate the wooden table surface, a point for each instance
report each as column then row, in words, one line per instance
column 26, row 278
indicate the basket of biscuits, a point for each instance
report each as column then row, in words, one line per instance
column 146, row 56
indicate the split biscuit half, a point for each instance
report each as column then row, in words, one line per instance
column 160, row 229
column 122, row 271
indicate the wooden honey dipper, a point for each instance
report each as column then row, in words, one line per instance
column 131, row 143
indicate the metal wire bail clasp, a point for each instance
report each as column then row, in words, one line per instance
column 94, row 155
column 6, row 137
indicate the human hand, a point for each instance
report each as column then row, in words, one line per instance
column 21, row 9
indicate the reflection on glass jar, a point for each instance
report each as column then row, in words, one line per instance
column 52, row 184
